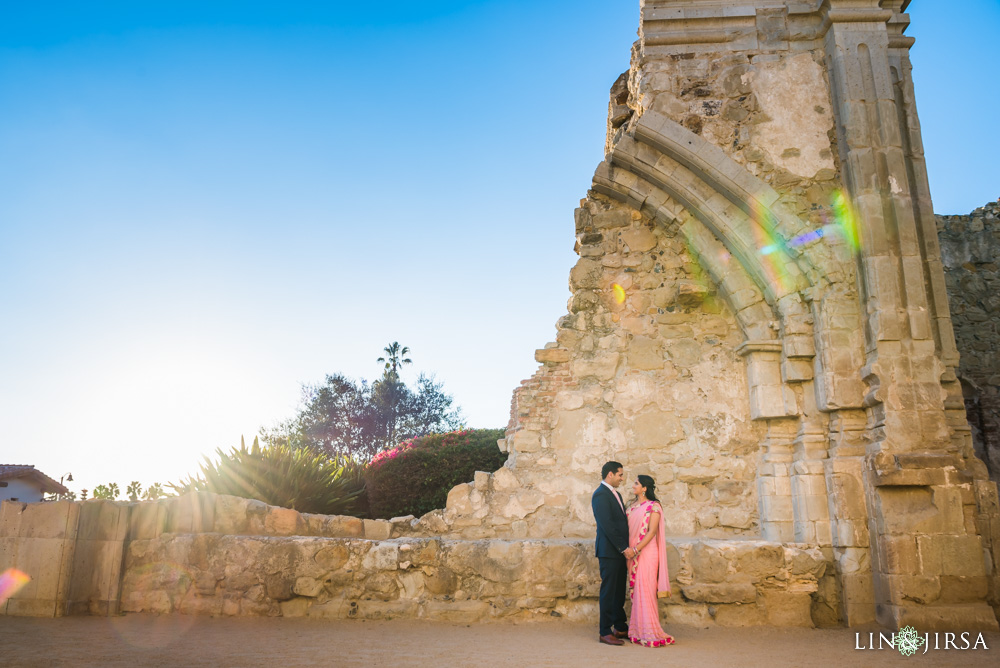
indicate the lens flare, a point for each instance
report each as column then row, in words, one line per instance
column 844, row 220
column 619, row 293
column 11, row 581
column 772, row 248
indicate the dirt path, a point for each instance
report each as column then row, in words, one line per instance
column 138, row 641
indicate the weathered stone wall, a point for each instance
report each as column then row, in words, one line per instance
column 732, row 583
column 217, row 555
column 763, row 216
column 970, row 250
column 654, row 381
column 71, row 551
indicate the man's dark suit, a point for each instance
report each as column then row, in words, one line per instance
column 612, row 541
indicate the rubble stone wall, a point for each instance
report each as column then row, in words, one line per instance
column 970, row 251
column 763, row 216
column 205, row 554
column 733, row 583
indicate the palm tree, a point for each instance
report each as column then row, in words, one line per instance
column 395, row 357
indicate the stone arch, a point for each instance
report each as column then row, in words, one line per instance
column 663, row 168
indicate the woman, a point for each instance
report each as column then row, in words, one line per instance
column 648, row 580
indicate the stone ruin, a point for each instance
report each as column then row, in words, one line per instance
column 759, row 320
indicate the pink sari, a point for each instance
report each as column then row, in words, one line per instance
column 648, row 579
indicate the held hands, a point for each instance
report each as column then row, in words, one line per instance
column 630, row 553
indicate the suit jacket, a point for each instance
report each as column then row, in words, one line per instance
column 612, row 524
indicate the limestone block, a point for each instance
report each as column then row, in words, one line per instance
column 586, row 274
column 382, row 557
column 481, row 481
column 645, row 354
column 10, row 518
column 707, row 563
column 922, row 589
column 432, row 523
column 296, row 607
column 343, row 526
column 760, row 561
column 633, row 392
column 686, row 615
column 523, row 503
column 527, row 441
column 193, row 512
column 728, row 592
column 403, row 526
column 552, row 355
column 684, row 353
column 381, row 529
column 612, row 219
column 654, row 428
column 602, row 366
column 103, row 520
column 951, row 555
column 740, row 615
column 24, row 607
column 787, row 608
column 638, row 239
column 230, row 514
column 332, row 557
column 148, row 519
column 284, row 522
column 739, row 518
column 59, row 519
column 899, row 554
column 505, row 480
column 457, row 611
column 963, row 588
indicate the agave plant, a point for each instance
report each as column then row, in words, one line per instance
column 283, row 476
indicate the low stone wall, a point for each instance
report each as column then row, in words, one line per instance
column 733, row 583
column 71, row 551
column 203, row 512
column 218, row 555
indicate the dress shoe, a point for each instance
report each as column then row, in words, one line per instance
column 611, row 640
column 621, row 635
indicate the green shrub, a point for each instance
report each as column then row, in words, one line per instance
column 282, row 476
column 415, row 477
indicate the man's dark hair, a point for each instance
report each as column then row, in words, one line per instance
column 610, row 467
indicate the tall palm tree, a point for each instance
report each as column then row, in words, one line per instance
column 395, row 357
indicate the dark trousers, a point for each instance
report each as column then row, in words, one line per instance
column 612, row 600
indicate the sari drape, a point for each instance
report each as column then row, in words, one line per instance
column 648, row 577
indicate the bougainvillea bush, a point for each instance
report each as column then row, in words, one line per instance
column 415, row 477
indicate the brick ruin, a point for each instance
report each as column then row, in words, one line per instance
column 759, row 320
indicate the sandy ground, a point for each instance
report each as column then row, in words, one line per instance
column 145, row 640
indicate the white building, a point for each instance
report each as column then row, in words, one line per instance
column 25, row 483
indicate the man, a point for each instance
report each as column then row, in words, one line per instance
column 612, row 550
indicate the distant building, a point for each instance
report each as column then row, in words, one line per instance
column 25, row 483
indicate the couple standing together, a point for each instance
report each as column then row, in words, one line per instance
column 631, row 549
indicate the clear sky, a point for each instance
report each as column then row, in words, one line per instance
column 204, row 205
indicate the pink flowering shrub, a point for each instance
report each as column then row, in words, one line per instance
column 415, row 476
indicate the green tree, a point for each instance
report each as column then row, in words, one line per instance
column 133, row 490
column 358, row 419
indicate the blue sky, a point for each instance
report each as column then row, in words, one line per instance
column 203, row 207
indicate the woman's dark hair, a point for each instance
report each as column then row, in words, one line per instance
column 650, row 486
